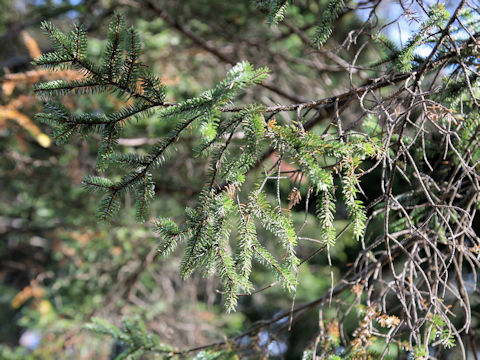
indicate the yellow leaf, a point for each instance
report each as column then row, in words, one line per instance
column 26, row 123
column 44, row 307
column 43, row 140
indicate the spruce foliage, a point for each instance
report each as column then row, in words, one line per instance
column 325, row 26
column 437, row 16
column 207, row 229
column 276, row 9
column 133, row 336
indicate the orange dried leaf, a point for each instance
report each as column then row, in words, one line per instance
column 357, row 289
column 25, row 122
column 294, row 198
column 31, row 45
column 8, row 87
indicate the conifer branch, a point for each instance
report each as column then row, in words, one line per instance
column 236, row 139
column 394, row 120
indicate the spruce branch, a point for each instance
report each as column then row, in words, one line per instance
column 325, row 28
column 238, row 139
column 133, row 334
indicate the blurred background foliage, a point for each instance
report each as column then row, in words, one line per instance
column 59, row 267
